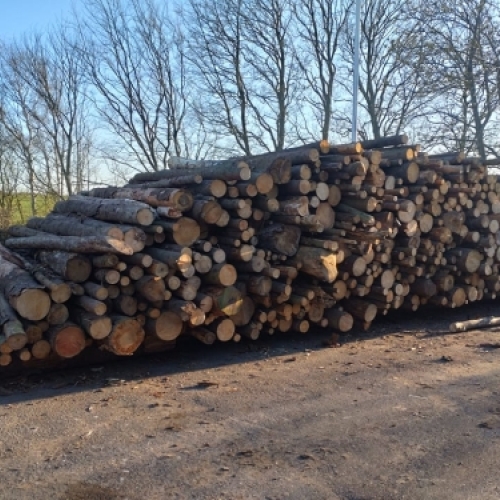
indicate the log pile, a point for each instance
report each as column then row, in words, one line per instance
column 316, row 237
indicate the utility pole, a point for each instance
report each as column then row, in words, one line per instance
column 355, row 73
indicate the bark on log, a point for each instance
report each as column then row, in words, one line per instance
column 208, row 211
column 23, row 293
column 97, row 327
column 180, row 260
column 65, row 225
column 151, row 288
column 124, row 211
column 227, row 301
column 361, row 309
column 70, row 266
column 474, row 324
column 393, row 140
column 203, row 335
column 91, row 244
column 176, row 198
column 228, row 170
column 12, row 329
column 280, row 238
column 318, row 263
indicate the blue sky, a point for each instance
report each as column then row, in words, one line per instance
column 21, row 16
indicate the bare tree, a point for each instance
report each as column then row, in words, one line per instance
column 217, row 44
column 244, row 63
column 391, row 86
column 10, row 174
column 19, row 131
column 462, row 59
column 320, row 25
column 272, row 59
column 135, row 59
column 45, row 109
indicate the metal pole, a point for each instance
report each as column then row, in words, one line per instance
column 355, row 73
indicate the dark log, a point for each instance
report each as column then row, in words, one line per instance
column 151, row 288
column 228, row 170
column 280, row 238
column 226, row 300
column 367, row 219
column 70, row 266
column 58, row 314
column 204, row 335
column 393, row 140
column 318, row 263
column 180, row 260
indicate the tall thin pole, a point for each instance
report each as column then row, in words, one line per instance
column 355, row 73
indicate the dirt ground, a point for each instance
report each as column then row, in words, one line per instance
column 406, row 412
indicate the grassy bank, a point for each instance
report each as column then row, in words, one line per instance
column 17, row 208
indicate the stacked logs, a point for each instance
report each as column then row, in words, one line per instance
column 321, row 236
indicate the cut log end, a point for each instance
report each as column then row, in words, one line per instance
column 100, row 327
column 168, row 326
column 32, row 304
column 61, row 293
column 186, row 231
column 225, row 330
column 67, row 341
column 126, row 336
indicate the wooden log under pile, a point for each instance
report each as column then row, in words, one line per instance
column 316, row 237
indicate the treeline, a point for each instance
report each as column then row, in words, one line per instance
column 126, row 83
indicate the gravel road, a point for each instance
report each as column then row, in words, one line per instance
column 406, row 412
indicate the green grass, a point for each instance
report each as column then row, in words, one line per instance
column 18, row 209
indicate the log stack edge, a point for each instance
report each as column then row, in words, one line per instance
column 316, row 237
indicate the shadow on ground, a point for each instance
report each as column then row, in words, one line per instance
column 190, row 356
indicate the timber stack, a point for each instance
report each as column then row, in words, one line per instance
column 316, row 237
